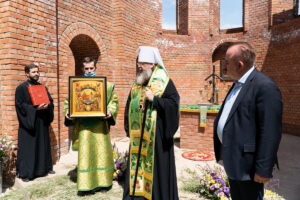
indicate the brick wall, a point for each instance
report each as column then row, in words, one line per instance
column 282, row 63
column 28, row 35
column 182, row 17
column 282, row 11
column 194, row 137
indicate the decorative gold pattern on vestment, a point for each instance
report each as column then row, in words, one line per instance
column 157, row 85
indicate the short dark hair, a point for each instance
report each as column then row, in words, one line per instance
column 88, row 60
column 247, row 53
column 30, row 66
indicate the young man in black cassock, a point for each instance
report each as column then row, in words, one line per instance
column 34, row 151
column 154, row 94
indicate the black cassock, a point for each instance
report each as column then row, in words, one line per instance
column 34, row 151
column 164, row 177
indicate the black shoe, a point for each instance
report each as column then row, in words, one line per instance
column 25, row 179
column 51, row 172
column 83, row 193
column 101, row 189
column 97, row 189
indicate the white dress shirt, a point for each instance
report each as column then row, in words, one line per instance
column 230, row 101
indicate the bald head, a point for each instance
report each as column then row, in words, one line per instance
column 240, row 57
column 244, row 53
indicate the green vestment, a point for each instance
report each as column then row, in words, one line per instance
column 144, row 182
column 92, row 141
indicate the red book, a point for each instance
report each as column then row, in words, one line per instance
column 38, row 94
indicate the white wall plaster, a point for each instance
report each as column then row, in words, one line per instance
column 287, row 36
column 156, row 4
column 168, row 43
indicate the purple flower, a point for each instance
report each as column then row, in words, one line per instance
column 222, row 182
column 226, row 190
column 212, row 188
column 118, row 165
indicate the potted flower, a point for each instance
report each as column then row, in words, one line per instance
column 6, row 146
column 120, row 160
column 214, row 183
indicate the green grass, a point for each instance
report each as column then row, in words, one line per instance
column 192, row 186
column 58, row 188
column 191, row 183
column 64, row 188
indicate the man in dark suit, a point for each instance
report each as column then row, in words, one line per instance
column 247, row 130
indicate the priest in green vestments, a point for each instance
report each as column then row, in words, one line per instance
column 91, row 139
column 154, row 95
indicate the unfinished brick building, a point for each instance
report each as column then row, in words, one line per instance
column 57, row 34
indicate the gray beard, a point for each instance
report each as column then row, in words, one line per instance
column 143, row 77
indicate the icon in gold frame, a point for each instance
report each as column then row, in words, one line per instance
column 87, row 96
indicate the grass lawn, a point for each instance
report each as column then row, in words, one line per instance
column 64, row 187
column 60, row 187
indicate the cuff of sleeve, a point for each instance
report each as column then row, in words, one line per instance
column 264, row 173
column 154, row 102
column 111, row 120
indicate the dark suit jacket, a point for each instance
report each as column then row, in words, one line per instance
column 252, row 132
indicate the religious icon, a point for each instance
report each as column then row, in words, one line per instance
column 87, row 96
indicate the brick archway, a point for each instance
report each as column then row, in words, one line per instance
column 82, row 28
column 75, row 30
column 220, row 42
column 217, row 53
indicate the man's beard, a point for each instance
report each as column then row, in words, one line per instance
column 34, row 78
column 143, row 77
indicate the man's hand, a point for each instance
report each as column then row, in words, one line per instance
column 108, row 115
column 260, row 179
column 42, row 106
column 149, row 95
column 67, row 116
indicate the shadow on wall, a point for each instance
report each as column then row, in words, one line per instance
column 284, row 16
column 83, row 46
column 218, row 59
column 55, row 146
column 282, row 64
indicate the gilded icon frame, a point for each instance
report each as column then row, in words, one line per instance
column 87, row 96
